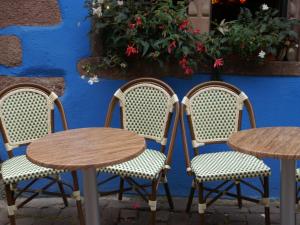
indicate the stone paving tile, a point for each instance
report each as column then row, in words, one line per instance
column 132, row 211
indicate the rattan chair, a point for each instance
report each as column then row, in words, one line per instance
column 214, row 111
column 26, row 114
column 146, row 107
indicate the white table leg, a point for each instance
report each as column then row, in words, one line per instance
column 90, row 192
column 288, row 192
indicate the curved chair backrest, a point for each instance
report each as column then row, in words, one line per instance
column 214, row 111
column 147, row 106
column 26, row 114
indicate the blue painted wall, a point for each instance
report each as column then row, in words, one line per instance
column 56, row 50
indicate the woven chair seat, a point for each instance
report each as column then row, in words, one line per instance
column 19, row 168
column 227, row 166
column 147, row 166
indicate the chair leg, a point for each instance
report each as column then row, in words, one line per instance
column 202, row 203
column 62, row 191
column 76, row 195
column 120, row 195
column 10, row 205
column 153, row 203
column 266, row 200
column 191, row 197
column 238, row 192
column 168, row 193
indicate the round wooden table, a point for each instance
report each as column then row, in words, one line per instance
column 275, row 142
column 86, row 149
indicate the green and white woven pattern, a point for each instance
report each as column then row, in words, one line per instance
column 25, row 115
column 145, row 110
column 227, row 166
column 214, row 113
column 147, row 166
column 19, row 168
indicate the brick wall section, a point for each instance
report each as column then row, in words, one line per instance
column 29, row 12
column 55, row 84
column 199, row 12
column 10, row 51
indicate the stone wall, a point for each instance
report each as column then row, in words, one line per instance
column 26, row 13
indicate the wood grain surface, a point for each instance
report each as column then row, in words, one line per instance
column 86, row 147
column 271, row 142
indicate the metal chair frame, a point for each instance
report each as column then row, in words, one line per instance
column 141, row 189
column 208, row 195
column 12, row 190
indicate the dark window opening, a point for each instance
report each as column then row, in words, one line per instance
column 229, row 9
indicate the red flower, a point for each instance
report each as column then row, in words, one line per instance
column 132, row 26
column 219, row 63
column 243, row 1
column 188, row 71
column 161, row 27
column 183, row 62
column 171, row 46
column 184, row 25
column 196, row 31
column 136, row 206
column 200, row 47
column 131, row 50
column 138, row 21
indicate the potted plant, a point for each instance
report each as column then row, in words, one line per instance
column 158, row 34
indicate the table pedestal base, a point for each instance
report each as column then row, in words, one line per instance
column 90, row 192
column 288, row 192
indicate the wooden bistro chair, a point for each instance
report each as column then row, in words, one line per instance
column 146, row 107
column 214, row 112
column 26, row 114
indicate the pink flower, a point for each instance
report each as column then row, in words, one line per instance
column 196, row 31
column 132, row 26
column 138, row 21
column 136, row 205
column 171, row 46
column 131, row 50
column 219, row 63
column 188, row 71
column 183, row 62
column 200, row 47
column 184, row 25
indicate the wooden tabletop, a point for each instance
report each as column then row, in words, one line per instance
column 272, row 142
column 84, row 148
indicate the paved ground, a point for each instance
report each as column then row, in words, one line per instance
column 132, row 211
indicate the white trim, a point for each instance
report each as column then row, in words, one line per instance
column 243, row 96
column 76, row 195
column 186, row 102
column 10, row 147
column 164, row 141
column 152, row 205
column 172, row 101
column 53, row 96
column 201, row 208
column 120, row 95
column 196, row 144
column 11, row 210
column 167, row 167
